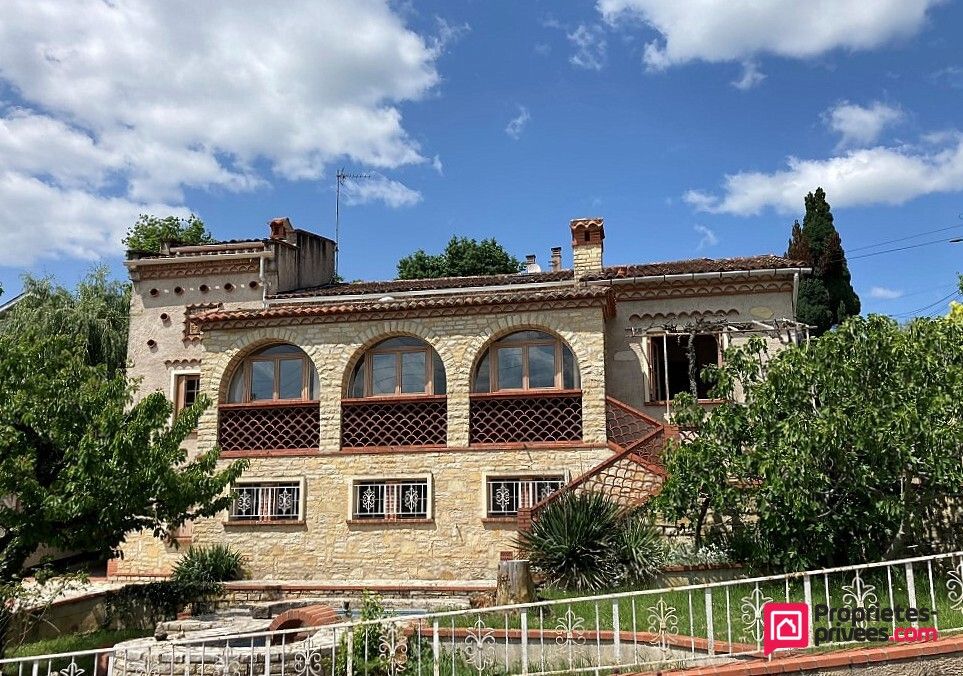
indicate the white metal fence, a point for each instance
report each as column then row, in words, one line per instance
column 638, row 630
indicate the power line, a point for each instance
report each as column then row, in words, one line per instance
column 927, row 307
column 341, row 176
column 903, row 239
column 905, row 248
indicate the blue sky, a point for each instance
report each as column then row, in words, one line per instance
column 694, row 128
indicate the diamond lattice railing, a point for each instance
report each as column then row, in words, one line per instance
column 529, row 417
column 266, row 427
column 386, row 423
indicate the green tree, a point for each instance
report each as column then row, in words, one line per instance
column 80, row 463
column 96, row 314
column 149, row 232
column 826, row 297
column 846, row 449
column 462, row 257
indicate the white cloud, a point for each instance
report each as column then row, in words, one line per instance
column 437, row 165
column 880, row 175
column 590, row 47
column 738, row 30
column 860, row 125
column 133, row 103
column 378, row 188
column 518, row 123
column 751, row 76
column 883, row 293
column 708, row 238
column 38, row 219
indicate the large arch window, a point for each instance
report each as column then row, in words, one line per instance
column 271, row 403
column 396, row 397
column 276, row 373
column 396, row 367
column 527, row 360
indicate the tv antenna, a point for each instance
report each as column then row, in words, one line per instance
column 342, row 176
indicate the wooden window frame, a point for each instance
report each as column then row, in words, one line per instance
column 656, row 364
column 180, row 380
column 306, row 376
column 368, row 369
column 525, row 344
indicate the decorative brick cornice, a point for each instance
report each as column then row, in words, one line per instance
column 697, row 289
column 182, row 363
column 446, row 306
column 196, row 268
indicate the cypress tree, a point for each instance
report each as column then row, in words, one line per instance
column 826, row 297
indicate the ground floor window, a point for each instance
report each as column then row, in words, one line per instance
column 267, row 501
column 507, row 495
column 391, row 499
column 669, row 364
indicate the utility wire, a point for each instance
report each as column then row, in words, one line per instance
column 904, row 248
column 927, row 307
column 903, row 239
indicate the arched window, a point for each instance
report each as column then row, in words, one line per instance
column 398, row 366
column 276, row 373
column 527, row 360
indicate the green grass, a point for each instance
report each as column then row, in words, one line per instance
column 72, row 643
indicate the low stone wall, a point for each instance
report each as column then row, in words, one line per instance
column 677, row 576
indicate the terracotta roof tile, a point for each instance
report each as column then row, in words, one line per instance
column 399, row 285
column 697, row 265
column 598, row 294
column 764, row 262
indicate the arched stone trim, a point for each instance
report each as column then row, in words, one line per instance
column 310, row 616
column 246, row 344
column 510, row 324
column 372, row 336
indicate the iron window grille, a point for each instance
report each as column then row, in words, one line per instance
column 275, row 501
column 507, row 495
column 390, row 499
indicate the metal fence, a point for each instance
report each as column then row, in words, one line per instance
column 637, row 630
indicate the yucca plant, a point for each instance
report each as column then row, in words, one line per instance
column 203, row 565
column 640, row 548
column 574, row 542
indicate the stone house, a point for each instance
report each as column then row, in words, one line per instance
column 404, row 430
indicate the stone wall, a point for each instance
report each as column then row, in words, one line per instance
column 456, row 543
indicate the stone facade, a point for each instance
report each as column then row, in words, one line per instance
column 599, row 321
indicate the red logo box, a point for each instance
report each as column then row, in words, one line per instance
column 785, row 625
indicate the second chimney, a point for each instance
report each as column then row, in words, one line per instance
column 556, row 258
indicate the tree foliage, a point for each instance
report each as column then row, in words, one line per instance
column 846, row 449
column 149, row 232
column 826, row 297
column 80, row 464
column 95, row 315
column 462, row 257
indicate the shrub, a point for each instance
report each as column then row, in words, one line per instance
column 640, row 548
column 141, row 606
column 683, row 553
column 574, row 542
column 204, row 565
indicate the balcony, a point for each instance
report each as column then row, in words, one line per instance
column 548, row 416
column 269, row 426
column 392, row 422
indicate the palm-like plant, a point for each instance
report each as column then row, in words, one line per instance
column 641, row 550
column 574, row 542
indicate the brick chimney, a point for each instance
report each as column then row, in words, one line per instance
column 281, row 228
column 556, row 258
column 587, row 236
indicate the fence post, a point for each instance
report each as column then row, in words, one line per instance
column 524, row 626
column 435, row 649
column 808, row 598
column 710, row 630
column 616, row 633
column 911, row 589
